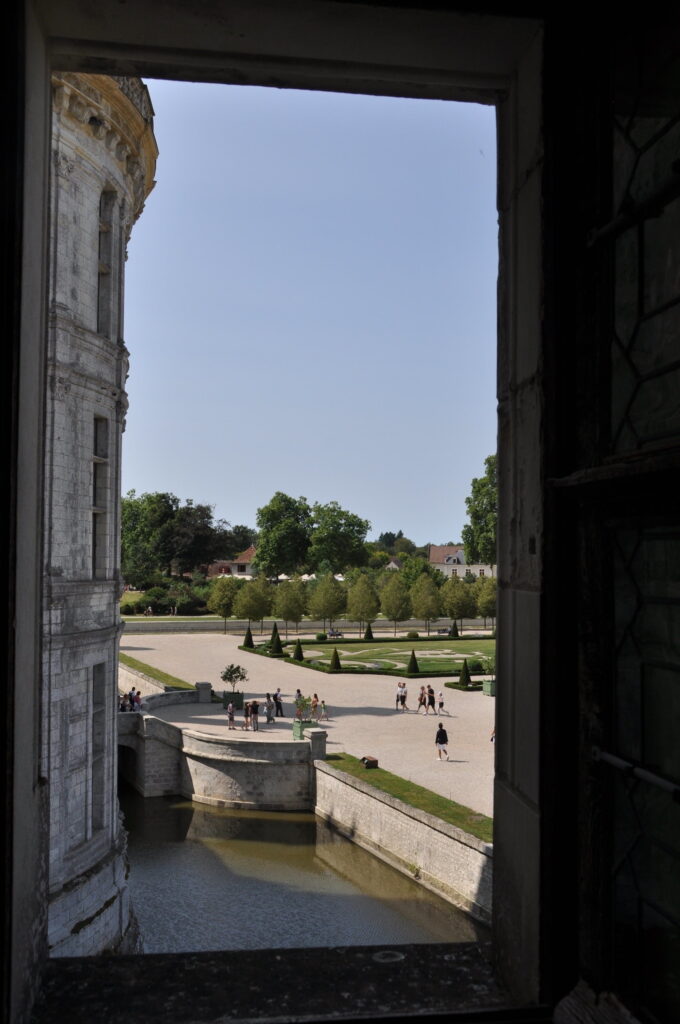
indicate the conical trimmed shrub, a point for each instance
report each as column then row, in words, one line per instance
column 413, row 666
column 454, row 629
column 335, row 661
column 465, row 679
column 248, row 639
column 275, row 633
column 297, row 653
column 368, row 635
column 275, row 645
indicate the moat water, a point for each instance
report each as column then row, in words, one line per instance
column 205, row 878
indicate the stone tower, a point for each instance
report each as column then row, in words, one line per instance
column 103, row 162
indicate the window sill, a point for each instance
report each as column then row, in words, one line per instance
column 316, row 984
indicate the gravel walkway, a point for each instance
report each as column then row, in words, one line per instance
column 362, row 713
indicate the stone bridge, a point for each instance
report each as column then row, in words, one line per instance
column 160, row 759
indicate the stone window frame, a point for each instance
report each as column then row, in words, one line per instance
column 486, row 59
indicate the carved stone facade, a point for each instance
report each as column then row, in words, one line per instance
column 103, row 162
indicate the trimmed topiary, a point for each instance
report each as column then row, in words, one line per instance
column 275, row 633
column 413, row 666
column 335, row 661
column 248, row 639
column 275, row 645
column 297, row 653
column 412, row 635
column 368, row 635
column 322, row 636
column 454, row 629
column 465, row 679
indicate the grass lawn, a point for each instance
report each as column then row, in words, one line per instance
column 442, row 656
column 469, row 821
column 154, row 673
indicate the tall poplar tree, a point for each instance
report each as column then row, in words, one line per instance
column 395, row 601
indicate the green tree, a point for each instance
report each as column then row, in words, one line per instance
column 425, row 599
column 387, row 540
column 222, row 596
column 285, row 530
column 290, row 601
column 486, row 598
column 160, row 535
column 465, row 679
column 237, row 540
column 404, row 546
column 395, row 601
column 337, row 537
column 377, row 559
column 194, row 536
column 458, row 598
column 413, row 566
column 479, row 535
column 363, row 603
column 327, row 600
column 144, row 548
column 253, row 601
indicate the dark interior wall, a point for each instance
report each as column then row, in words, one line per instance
column 561, row 693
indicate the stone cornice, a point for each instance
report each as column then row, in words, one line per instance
column 119, row 116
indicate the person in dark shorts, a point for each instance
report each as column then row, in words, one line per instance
column 254, row 712
column 430, row 700
column 441, row 742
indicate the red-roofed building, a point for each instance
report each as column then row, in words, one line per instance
column 450, row 560
column 240, row 566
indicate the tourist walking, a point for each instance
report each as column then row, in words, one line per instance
column 441, row 742
column 246, row 716
column 254, row 712
column 422, row 700
column 315, row 707
column 279, row 703
column 230, row 715
column 404, row 695
column 269, row 708
column 430, row 700
column 323, row 717
column 398, row 695
column 440, row 703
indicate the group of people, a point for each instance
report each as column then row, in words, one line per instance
column 315, row 708
column 425, row 699
column 131, row 701
column 271, row 707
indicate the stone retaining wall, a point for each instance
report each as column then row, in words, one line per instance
column 160, row 759
column 440, row 856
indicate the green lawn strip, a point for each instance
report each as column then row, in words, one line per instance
column 154, row 673
column 422, row 799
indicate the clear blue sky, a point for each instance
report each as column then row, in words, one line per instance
column 311, row 305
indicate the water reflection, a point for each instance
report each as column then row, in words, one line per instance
column 205, row 878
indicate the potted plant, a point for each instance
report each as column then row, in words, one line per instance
column 489, row 685
column 303, row 717
column 233, row 674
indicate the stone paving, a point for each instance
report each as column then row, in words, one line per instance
column 363, row 719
